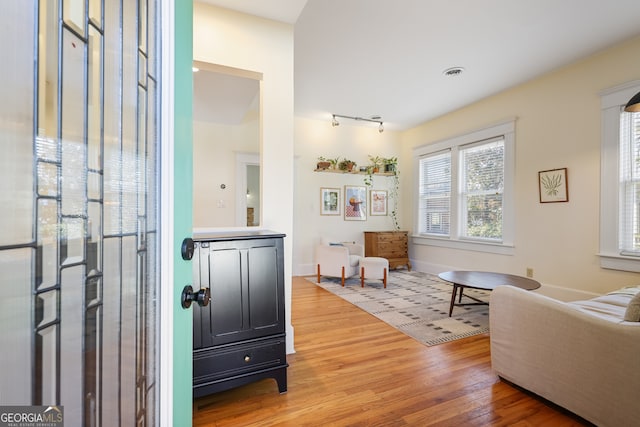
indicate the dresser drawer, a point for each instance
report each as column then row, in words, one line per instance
column 394, row 238
column 218, row 362
column 392, row 250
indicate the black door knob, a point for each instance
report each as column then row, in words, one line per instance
column 187, row 249
column 202, row 297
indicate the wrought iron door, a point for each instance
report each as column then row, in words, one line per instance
column 78, row 221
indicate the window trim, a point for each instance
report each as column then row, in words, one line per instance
column 611, row 101
column 505, row 129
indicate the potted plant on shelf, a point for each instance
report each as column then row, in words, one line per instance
column 346, row 165
column 376, row 163
column 334, row 162
column 390, row 164
column 323, row 163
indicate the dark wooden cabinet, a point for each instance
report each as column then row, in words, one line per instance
column 392, row 245
column 240, row 336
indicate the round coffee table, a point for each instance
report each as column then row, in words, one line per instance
column 485, row 280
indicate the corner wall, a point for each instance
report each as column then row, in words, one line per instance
column 557, row 126
column 314, row 138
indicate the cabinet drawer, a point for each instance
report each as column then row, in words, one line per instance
column 211, row 364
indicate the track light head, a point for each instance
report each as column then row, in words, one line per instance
column 380, row 128
column 335, row 122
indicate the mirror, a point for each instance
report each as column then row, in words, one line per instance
column 226, row 146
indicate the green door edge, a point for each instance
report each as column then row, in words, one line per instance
column 183, row 206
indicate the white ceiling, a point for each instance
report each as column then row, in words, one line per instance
column 387, row 57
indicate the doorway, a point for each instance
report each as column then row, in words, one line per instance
column 227, row 127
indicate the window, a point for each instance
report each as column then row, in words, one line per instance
column 435, row 193
column 620, row 181
column 629, row 238
column 464, row 188
column 482, row 171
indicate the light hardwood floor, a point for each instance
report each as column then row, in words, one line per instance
column 351, row 369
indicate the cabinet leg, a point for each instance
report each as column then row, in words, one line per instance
column 281, row 379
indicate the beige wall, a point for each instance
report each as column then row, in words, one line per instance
column 241, row 41
column 557, row 126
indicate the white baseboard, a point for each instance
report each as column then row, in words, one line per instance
column 552, row 291
column 304, row 270
column 547, row 289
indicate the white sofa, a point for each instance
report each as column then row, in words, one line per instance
column 583, row 355
column 338, row 260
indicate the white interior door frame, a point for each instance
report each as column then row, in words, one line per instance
column 166, row 300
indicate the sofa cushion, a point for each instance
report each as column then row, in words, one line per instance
column 633, row 310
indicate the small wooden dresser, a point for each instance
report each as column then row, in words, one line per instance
column 392, row 245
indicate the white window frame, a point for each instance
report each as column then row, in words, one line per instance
column 456, row 239
column 611, row 102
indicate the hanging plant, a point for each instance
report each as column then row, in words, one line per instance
column 393, row 195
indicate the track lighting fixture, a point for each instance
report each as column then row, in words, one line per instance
column 334, row 121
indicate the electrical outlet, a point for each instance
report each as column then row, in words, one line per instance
column 529, row 272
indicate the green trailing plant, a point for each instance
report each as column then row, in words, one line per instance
column 394, row 190
column 390, row 164
column 393, row 195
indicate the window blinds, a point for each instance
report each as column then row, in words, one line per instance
column 629, row 233
column 435, row 194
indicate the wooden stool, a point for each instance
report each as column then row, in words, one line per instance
column 374, row 268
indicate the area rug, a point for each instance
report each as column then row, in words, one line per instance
column 416, row 304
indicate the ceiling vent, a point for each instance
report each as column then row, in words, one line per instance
column 453, row 71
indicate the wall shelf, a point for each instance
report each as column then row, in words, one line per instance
column 354, row 173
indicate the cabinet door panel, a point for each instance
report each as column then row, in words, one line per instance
column 263, row 292
column 226, row 306
column 246, row 281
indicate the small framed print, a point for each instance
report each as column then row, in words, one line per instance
column 329, row 201
column 552, row 185
column 378, row 202
column 355, row 203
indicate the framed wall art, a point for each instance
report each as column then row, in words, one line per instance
column 378, row 202
column 329, row 201
column 355, row 203
column 553, row 186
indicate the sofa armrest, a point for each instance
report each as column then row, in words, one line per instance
column 355, row 249
column 581, row 362
column 332, row 259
